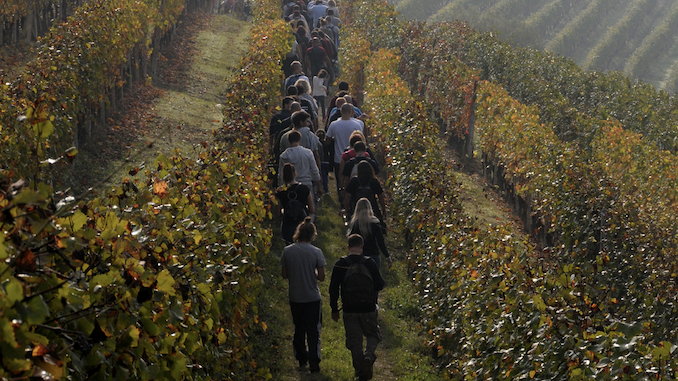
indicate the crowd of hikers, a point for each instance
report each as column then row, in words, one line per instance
column 314, row 139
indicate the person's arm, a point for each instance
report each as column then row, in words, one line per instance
column 320, row 273
column 284, row 273
column 376, row 232
column 316, row 156
column 335, row 284
column 310, row 203
column 378, row 281
column 347, row 200
column 382, row 204
column 315, row 176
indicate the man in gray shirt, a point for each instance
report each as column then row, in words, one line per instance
column 304, row 265
column 304, row 162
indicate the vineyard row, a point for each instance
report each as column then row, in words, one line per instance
column 156, row 278
column 598, row 299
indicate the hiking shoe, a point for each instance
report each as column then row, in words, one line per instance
column 367, row 369
column 302, row 365
column 315, row 369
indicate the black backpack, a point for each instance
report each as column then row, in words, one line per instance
column 295, row 210
column 363, row 191
column 357, row 289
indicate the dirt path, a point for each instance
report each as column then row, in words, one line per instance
column 180, row 108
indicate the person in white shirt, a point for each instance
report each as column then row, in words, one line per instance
column 320, row 90
column 340, row 132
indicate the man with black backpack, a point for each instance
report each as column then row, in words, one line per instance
column 358, row 280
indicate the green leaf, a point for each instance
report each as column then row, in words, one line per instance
column 150, row 327
column 166, row 282
column 129, row 339
column 44, row 129
column 78, row 220
column 539, row 303
column 16, row 365
column 36, row 311
column 661, row 353
column 27, row 196
column 3, row 250
column 7, row 332
column 102, row 280
column 14, row 290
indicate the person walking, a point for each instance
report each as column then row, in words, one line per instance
column 340, row 133
column 368, row 186
column 304, row 162
column 295, row 203
column 369, row 227
column 303, row 265
column 358, row 280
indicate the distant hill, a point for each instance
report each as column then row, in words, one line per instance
column 637, row 37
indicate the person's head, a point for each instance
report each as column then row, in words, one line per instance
column 332, row 3
column 296, row 7
column 328, row 19
column 349, row 99
column 303, row 87
column 343, row 86
column 363, row 218
column 356, row 136
column 305, row 232
column 365, row 171
column 300, row 24
column 359, row 148
column 339, row 103
column 295, row 106
column 301, row 32
column 295, row 66
column 321, row 134
column 322, row 73
column 296, row 14
column 299, row 119
column 294, row 138
column 355, row 241
column 287, row 103
column 288, row 173
column 292, row 90
column 315, row 41
column 347, row 111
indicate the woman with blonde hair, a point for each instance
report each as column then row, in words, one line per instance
column 365, row 223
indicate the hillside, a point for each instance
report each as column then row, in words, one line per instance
column 632, row 36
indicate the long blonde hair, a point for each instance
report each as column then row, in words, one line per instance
column 363, row 217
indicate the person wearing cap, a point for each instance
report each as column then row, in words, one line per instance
column 297, row 74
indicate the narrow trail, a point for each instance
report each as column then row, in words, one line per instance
column 403, row 354
column 179, row 110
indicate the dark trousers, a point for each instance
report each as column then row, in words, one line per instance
column 340, row 193
column 357, row 327
column 307, row 318
column 321, row 105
